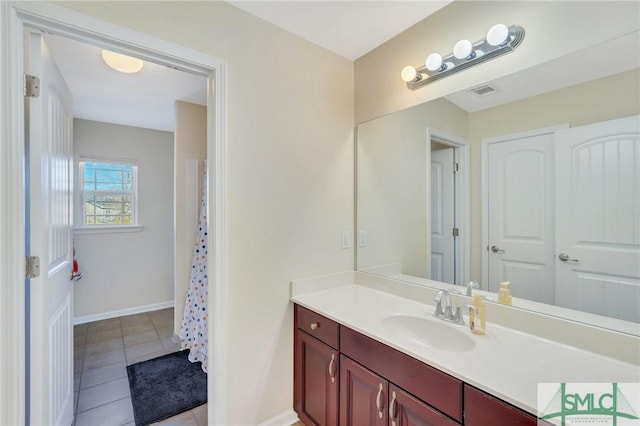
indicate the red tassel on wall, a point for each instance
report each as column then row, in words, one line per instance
column 75, row 273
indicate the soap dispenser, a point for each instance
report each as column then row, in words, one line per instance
column 504, row 295
column 477, row 319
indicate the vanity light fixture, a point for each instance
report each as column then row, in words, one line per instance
column 122, row 63
column 500, row 40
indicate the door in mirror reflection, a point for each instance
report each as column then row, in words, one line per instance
column 443, row 253
column 564, row 222
column 521, row 215
column 598, row 239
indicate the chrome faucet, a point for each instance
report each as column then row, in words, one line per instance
column 472, row 284
column 446, row 313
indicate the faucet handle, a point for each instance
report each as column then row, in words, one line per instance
column 438, row 300
column 458, row 318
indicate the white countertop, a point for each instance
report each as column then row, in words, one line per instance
column 506, row 363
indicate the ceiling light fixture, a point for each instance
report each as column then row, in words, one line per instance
column 500, row 40
column 122, row 63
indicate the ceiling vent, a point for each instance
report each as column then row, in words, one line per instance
column 484, row 90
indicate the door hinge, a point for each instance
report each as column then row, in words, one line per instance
column 33, row 266
column 456, row 232
column 455, row 167
column 31, row 86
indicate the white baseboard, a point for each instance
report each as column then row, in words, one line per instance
column 287, row 418
column 122, row 312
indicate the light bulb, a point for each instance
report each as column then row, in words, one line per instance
column 463, row 49
column 497, row 35
column 408, row 73
column 434, row 62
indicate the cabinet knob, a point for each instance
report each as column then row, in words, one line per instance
column 314, row 325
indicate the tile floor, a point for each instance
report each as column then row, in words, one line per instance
column 103, row 349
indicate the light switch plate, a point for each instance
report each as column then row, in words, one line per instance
column 362, row 238
column 346, row 239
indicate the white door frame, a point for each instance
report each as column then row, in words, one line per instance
column 463, row 248
column 52, row 18
column 484, row 179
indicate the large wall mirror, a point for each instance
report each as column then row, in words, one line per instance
column 533, row 178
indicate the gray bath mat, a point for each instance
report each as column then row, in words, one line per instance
column 165, row 386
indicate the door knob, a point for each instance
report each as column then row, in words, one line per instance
column 565, row 258
column 496, row 249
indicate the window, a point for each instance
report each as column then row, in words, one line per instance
column 109, row 193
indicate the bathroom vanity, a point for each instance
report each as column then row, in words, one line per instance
column 365, row 356
column 344, row 377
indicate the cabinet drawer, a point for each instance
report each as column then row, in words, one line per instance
column 404, row 409
column 316, row 325
column 432, row 386
column 481, row 409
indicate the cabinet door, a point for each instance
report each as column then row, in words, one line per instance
column 481, row 409
column 315, row 381
column 405, row 410
column 363, row 395
column 439, row 390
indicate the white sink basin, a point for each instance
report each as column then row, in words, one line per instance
column 432, row 333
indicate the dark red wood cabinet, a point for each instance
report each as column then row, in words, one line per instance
column 342, row 377
column 363, row 395
column 406, row 410
column 482, row 409
column 428, row 384
column 368, row 399
column 316, row 369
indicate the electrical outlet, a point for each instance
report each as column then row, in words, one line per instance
column 362, row 238
column 346, row 239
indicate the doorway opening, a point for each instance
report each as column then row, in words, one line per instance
column 448, row 208
column 53, row 19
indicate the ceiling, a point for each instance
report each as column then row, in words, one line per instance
column 604, row 59
column 349, row 28
column 100, row 93
column 146, row 99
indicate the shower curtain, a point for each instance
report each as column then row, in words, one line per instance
column 194, row 321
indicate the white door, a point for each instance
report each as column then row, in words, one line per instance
column 442, row 216
column 598, row 229
column 521, row 221
column 50, row 330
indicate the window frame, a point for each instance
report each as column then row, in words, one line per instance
column 83, row 226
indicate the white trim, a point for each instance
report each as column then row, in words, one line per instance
column 106, row 159
column 217, row 260
column 484, row 190
column 123, row 312
column 12, row 226
column 287, row 418
column 113, row 229
column 59, row 20
column 463, row 212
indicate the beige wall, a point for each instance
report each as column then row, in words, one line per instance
column 392, row 184
column 553, row 29
column 290, row 174
column 190, row 151
column 136, row 264
column 599, row 100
